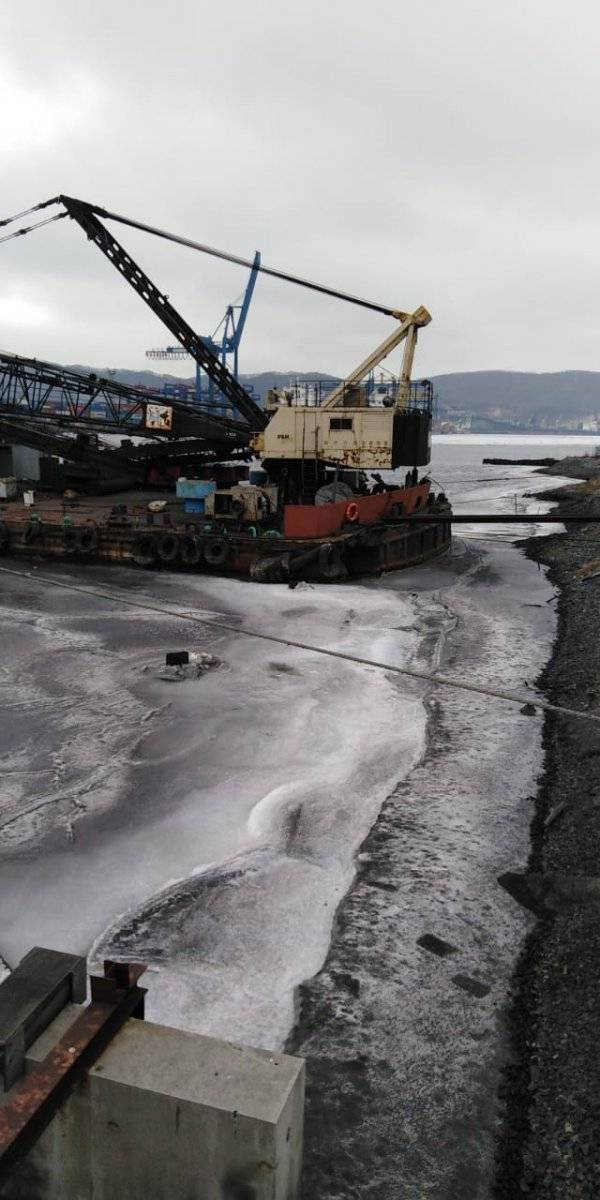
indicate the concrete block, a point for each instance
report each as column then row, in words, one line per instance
column 166, row 1114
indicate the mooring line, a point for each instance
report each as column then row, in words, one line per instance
column 411, row 672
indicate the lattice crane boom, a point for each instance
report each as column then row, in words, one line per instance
column 235, row 393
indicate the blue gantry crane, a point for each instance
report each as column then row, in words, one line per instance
column 224, row 342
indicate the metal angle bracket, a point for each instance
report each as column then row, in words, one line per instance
column 34, row 1100
column 30, row 998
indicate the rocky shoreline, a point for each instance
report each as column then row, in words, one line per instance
column 550, row 1144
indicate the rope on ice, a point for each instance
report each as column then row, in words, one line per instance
column 411, row 672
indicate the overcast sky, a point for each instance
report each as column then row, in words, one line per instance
column 444, row 154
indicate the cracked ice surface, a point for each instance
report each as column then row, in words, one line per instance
column 241, row 796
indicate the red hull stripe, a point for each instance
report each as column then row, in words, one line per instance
column 322, row 520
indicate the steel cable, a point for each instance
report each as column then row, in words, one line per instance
column 411, row 672
column 29, row 228
column 204, row 249
column 26, row 211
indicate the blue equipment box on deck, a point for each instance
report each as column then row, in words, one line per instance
column 194, row 489
column 193, row 506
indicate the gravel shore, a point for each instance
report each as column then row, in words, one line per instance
column 550, row 1146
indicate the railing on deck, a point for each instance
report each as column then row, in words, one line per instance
column 313, row 393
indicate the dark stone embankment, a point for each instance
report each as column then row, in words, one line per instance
column 520, row 462
column 550, row 1147
column 578, row 467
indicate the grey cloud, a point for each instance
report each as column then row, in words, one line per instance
column 443, row 154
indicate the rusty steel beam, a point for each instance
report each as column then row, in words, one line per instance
column 34, row 1101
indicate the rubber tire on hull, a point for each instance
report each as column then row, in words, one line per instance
column 4, row 539
column 71, row 540
column 331, row 565
column 88, row 540
column 190, row 549
column 167, row 547
column 32, row 533
column 270, row 570
column 144, row 550
column 216, row 551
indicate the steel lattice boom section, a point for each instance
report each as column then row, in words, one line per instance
column 43, row 391
column 237, row 395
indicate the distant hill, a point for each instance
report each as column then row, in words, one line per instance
column 149, row 379
column 152, row 379
column 278, row 379
column 520, row 394
column 513, row 395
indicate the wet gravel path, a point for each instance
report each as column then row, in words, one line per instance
column 550, row 1146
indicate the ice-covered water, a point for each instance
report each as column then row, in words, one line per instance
column 261, row 777
column 210, row 827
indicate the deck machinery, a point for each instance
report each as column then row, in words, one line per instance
column 314, row 456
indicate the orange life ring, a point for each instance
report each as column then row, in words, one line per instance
column 352, row 513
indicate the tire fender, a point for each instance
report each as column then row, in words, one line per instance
column 190, row 549
column 89, row 539
column 216, row 551
column 167, row 547
column 144, row 550
column 71, row 539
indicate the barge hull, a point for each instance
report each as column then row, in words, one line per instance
column 88, row 532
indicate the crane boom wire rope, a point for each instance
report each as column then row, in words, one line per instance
column 286, row 276
column 29, row 228
column 27, row 211
column 246, row 262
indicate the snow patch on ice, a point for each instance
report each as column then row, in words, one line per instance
column 313, row 753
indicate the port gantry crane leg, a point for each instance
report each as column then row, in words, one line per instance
column 233, row 342
column 237, row 395
column 232, row 332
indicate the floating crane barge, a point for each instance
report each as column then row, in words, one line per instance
column 318, row 508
